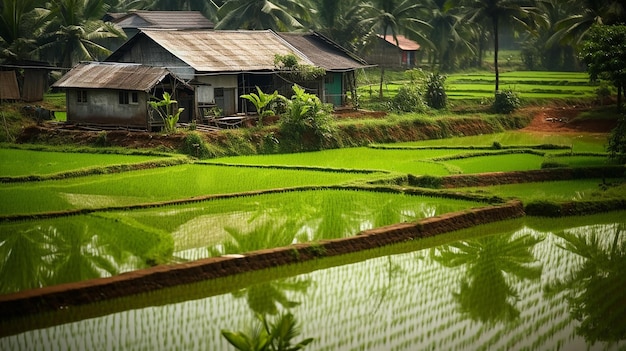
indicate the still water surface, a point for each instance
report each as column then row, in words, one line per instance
column 524, row 285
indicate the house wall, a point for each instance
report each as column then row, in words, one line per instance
column 227, row 97
column 391, row 56
column 148, row 53
column 103, row 107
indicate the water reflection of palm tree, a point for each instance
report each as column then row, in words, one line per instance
column 268, row 234
column 485, row 293
column 265, row 298
column 23, row 263
column 595, row 290
column 81, row 255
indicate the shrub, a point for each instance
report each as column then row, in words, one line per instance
column 506, row 101
column 617, row 141
column 408, row 99
column 543, row 209
column 551, row 163
column 195, row 146
column 436, row 96
column 307, row 123
column 101, row 139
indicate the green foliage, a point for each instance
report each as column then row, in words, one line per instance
column 165, row 109
column 426, row 181
column 408, row 99
column 268, row 336
column 552, row 163
column 605, row 53
column 506, row 101
column 262, row 102
column 101, row 139
column 617, row 141
column 543, row 208
column 435, row 91
column 194, row 145
column 307, row 124
column 289, row 64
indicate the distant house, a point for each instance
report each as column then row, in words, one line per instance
column 132, row 22
column 389, row 53
column 117, row 94
column 223, row 65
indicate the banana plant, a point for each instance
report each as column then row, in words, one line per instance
column 261, row 102
column 169, row 117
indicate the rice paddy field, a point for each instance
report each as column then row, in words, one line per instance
column 480, row 85
column 528, row 283
column 430, row 293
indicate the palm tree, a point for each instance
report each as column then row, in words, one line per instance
column 339, row 21
column 582, row 15
column 497, row 12
column 74, row 31
column 278, row 15
column 21, row 22
column 394, row 17
column 449, row 35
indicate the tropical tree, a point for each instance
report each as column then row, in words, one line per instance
column 279, row 15
column 498, row 12
column 339, row 21
column 74, row 31
column 449, row 35
column 582, row 15
column 394, row 17
column 21, row 22
column 604, row 53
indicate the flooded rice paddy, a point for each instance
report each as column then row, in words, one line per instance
column 526, row 284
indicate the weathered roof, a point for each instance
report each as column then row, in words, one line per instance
column 118, row 76
column 224, row 51
column 404, row 43
column 323, row 52
column 219, row 51
column 164, row 19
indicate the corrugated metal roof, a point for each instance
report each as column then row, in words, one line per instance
column 322, row 52
column 165, row 19
column 225, row 51
column 404, row 43
column 118, row 76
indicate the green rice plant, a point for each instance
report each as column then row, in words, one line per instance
column 20, row 162
column 159, row 184
column 498, row 163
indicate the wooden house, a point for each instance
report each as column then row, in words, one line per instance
column 389, row 53
column 223, row 65
column 117, row 94
column 132, row 22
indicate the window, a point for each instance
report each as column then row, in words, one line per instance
column 126, row 97
column 81, row 97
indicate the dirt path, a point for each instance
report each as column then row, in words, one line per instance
column 563, row 120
